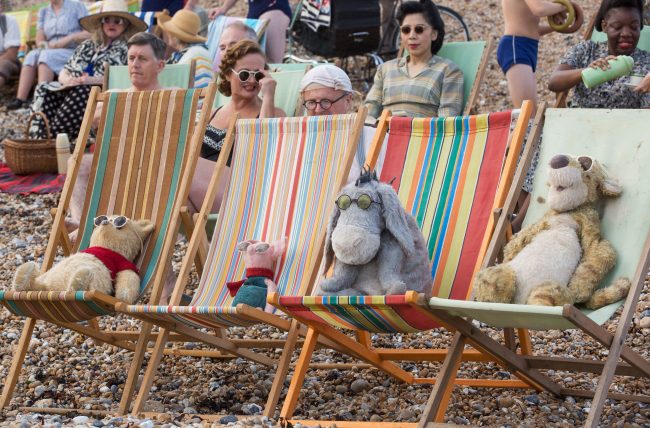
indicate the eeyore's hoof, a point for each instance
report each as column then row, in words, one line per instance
column 395, row 288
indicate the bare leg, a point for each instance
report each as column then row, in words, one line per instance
column 200, row 182
column 521, row 84
column 276, row 35
column 26, row 81
column 45, row 73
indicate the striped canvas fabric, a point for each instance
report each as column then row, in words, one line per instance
column 283, row 181
column 446, row 172
column 139, row 159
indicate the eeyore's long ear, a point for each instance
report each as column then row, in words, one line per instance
column 395, row 218
column 331, row 225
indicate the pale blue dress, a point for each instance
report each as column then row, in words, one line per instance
column 55, row 27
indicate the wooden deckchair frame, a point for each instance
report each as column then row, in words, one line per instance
column 59, row 238
column 238, row 348
column 383, row 359
column 528, row 365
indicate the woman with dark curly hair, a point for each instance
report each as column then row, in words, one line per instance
column 245, row 78
column 421, row 84
column 622, row 21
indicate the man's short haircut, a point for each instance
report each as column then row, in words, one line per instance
column 143, row 39
column 250, row 33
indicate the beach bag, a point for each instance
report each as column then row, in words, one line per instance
column 32, row 155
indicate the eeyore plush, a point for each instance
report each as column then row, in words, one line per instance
column 378, row 247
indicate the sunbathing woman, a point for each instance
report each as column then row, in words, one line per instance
column 420, row 84
column 622, row 21
column 244, row 77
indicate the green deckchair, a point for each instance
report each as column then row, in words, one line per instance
column 287, row 91
column 624, row 222
column 173, row 76
column 471, row 58
column 285, row 66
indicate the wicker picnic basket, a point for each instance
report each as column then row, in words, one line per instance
column 28, row 155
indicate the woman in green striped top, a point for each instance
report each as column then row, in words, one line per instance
column 420, row 84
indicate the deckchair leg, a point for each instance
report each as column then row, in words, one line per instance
column 283, row 369
column 524, row 341
column 134, row 370
column 291, row 400
column 17, row 363
column 150, row 373
column 437, row 404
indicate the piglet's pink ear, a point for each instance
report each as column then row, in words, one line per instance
column 243, row 245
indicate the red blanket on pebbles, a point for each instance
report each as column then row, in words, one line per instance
column 31, row 183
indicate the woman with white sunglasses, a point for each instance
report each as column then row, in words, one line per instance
column 419, row 84
column 244, row 77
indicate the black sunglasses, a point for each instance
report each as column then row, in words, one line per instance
column 363, row 201
column 419, row 29
column 119, row 221
column 244, row 75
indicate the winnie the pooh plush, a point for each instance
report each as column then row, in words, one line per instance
column 562, row 258
column 106, row 265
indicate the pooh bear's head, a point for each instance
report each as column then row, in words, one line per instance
column 121, row 234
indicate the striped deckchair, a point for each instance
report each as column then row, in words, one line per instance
column 624, row 223
column 216, row 27
column 450, row 174
column 284, row 174
column 145, row 154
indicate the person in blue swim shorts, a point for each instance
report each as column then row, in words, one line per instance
column 517, row 50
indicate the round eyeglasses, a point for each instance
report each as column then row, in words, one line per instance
column 244, row 75
column 325, row 104
column 119, row 221
column 364, row 202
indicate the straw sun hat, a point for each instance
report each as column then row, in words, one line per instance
column 185, row 25
column 117, row 8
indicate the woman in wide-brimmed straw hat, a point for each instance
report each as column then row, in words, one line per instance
column 109, row 31
column 181, row 33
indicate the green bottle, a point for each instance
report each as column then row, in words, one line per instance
column 622, row 65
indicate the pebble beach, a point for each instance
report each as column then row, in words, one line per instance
column 65, row 370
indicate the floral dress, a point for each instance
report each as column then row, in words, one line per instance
column 65, row 108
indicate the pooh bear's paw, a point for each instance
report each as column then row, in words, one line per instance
column 24, row 276
column 495, row 284
column 81, row 279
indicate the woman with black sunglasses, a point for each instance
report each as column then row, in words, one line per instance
column 419, row 84
column 245, row 78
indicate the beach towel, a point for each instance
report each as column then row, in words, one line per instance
column 32, row 183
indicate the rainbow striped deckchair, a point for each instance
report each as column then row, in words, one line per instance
column 216, row 27
column 284, row 174
column 450, row 174
column 146, row 151
column 624, row 223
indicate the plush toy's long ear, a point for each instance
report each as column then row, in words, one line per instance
column 611, row 188
column 331, row 225
column 395, row 218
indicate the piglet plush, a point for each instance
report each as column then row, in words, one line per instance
column 259, row 258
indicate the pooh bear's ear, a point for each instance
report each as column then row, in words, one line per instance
column 610, row 188
column 145, row 226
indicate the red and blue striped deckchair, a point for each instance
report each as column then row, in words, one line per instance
column 284, row 174
column 450, row 173
column 146, row 150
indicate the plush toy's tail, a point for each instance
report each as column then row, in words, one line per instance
column 610, row 294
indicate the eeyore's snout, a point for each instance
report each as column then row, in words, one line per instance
column 354, row 245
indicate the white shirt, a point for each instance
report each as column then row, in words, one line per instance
column 11, row 39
